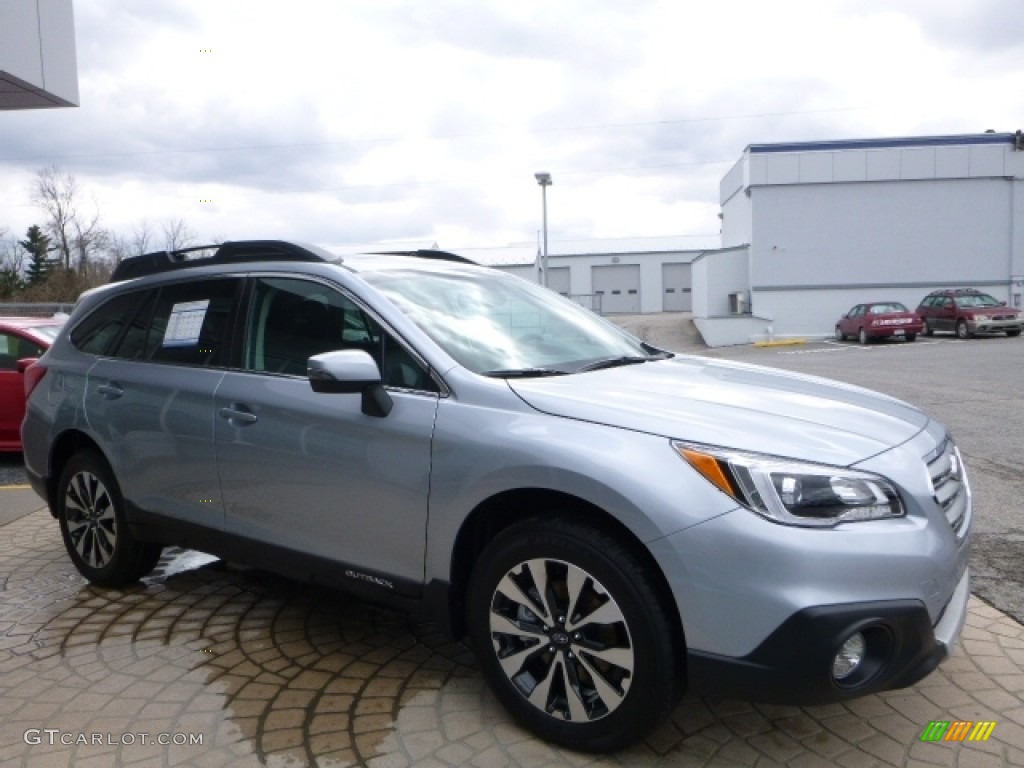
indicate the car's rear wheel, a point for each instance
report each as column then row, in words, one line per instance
column 862, row 336
column 961, row 330
column 928, row 330
column 91, row 514
column 840, row 336
column 911, row 337
column 572, row 636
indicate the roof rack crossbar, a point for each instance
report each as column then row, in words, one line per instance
column 428, row 253
column 232, row 252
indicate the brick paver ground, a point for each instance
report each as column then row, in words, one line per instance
column 269, row 672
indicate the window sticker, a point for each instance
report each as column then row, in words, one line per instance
column 185, row 323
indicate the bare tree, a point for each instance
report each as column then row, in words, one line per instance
column 56, row 192
column 118, row 248
column 89, row 239
column 138, row 242
column 177, row 235
column 142, row 238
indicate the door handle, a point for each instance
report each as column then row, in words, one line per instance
column 238, row 414
column 110, row 390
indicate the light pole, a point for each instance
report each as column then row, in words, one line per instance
column 544, row 179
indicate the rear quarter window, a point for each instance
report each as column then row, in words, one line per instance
column 102, row 327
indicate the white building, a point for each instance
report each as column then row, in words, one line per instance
column 38, row 67
column 613, row 276
column 810, row 229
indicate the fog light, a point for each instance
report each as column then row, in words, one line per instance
column 849, row 657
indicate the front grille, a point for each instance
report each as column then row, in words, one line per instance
column 949, row 484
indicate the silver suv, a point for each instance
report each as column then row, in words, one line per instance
column 606, row 521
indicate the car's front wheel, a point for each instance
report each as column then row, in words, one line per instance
column 572, row 636
column 91, row 514
column 1014, row 332
column 840, row 336
column 862, row 336
column 961, row 330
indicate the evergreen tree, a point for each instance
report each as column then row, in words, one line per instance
column 38, row 246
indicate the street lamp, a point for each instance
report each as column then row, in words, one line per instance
column 544, row 179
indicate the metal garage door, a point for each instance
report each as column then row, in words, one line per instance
column 675, row 285
column 618, row 285
column 558, row 280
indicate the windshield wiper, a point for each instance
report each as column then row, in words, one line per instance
column 522, row 373
column 615, row 362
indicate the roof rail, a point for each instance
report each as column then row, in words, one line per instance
column 232, row 252
column 428, row 253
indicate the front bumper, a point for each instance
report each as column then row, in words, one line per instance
column 995, row 325
column 794, row 664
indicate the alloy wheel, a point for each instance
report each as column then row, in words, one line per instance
column 562, row 640
column 91, row 519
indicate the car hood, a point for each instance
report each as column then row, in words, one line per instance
column 739, row 406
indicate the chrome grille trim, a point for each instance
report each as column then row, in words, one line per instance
column 949, row 486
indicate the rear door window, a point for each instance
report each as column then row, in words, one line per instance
column 190, row 324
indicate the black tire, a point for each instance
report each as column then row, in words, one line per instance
column 620, row 653
column 961, row 330
column 862, row 336
column 92, row 522
column 911, row 337
column 928, row 330
column 840, row 336
column 1013, row 333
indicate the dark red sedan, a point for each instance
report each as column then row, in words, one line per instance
column 879, row 320
column 22, row 341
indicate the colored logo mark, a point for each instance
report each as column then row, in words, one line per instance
column 958, row 730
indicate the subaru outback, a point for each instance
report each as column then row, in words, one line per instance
column 966, row 311
column 607, row 522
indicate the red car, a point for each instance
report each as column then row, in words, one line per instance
column 879, row 320
column 966, row 311
column 22, row 341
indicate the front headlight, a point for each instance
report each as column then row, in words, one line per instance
column 981, row 318
column 793, row 492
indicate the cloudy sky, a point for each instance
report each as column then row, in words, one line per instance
column 393, row 121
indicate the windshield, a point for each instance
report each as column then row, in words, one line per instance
column 979, row 300
column 497, row 324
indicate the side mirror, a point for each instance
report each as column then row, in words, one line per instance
column 350, row 371
column 25, row 362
